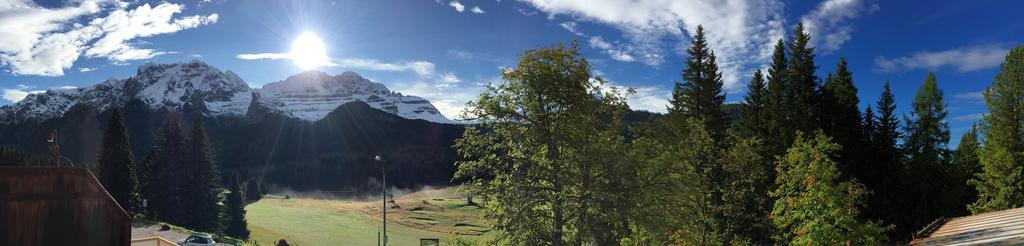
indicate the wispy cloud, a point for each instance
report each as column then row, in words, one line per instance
column 614, row 52
column 36, row 40
column 971, row 96
column 571, row 27
column 18, row 93
column 422, row 68
column 829, row 24
column 86, row 69
column 742, row 32
column 969, row 117
column 964, row 59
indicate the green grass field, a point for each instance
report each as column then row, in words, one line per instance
column 337, row 222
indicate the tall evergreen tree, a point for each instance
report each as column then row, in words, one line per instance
column 1001, row 183
column 700, row 95
column 965, row 165
column 869, row 125
column 252, row 190
column 235, row 223
column 841, row 120
column 202, row 182
column 926, row 153
column 753, row 115
column 801, row 95
column 163, row 174
column 814, row 204
column 888, row 201
column 117, row 166
column 775, row 103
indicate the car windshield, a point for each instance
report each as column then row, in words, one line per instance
column 195, row 239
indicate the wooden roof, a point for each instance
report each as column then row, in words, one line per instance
column 1004, row 227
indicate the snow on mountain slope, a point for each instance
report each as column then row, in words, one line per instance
column 158, row 85
column 312, row 95
column 308, row 96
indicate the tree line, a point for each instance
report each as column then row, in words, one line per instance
column 178, row 183
column 802, row 164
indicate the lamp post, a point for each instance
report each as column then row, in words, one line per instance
column 383, row 198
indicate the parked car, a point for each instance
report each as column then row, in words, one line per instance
column 201, row 239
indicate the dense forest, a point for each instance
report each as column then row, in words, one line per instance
column 801, row 164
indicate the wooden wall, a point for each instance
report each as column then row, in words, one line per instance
column 58, row 206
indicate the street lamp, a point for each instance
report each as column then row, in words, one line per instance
column 383, row 198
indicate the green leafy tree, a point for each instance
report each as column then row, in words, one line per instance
column 541, row 154
column 814, row 205
column 1001, row 183
column 700, row 95
column 201, row 183
column 746, row 204
column 926, row 153
column 965, row 165
column 236, row 225
column 117, row 166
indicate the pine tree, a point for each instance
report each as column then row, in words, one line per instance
column 965, row 165
column 700, row 95
column 201, row 183
column 888, row 201
column 775, row 103
column 235, row 223
column 801, row 94
column 926, row 153
column 869, row 125
column 163, row 174
column 814, row 205
column 1001, row 184
column 253, row 191
column 841, row 120
column 117, row 166
column 753, row 115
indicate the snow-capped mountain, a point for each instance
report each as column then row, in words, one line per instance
column 308, row 96
column 312, row 95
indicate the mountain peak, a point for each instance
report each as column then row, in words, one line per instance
column 309, row 95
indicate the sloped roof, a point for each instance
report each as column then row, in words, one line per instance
column 1004, row 227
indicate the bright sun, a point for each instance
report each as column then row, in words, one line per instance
column 308, row 52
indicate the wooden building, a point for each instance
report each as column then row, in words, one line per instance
column 58, row 206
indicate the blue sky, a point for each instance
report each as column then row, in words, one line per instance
column 443, row 50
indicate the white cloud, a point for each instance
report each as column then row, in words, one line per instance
column 121, row 26
column 448, row 79
column 18, row 94
column 829, row 24
column 422, row 68
column 457, row 5
column 45, row 41
column 969, row 117
column 264, row 56
column 970, row 96
column 461, row 54
column 86, row 69
column 742, row 32
column 476, row 10
column 963, row 59
column 615, row 53
column 571, row 26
